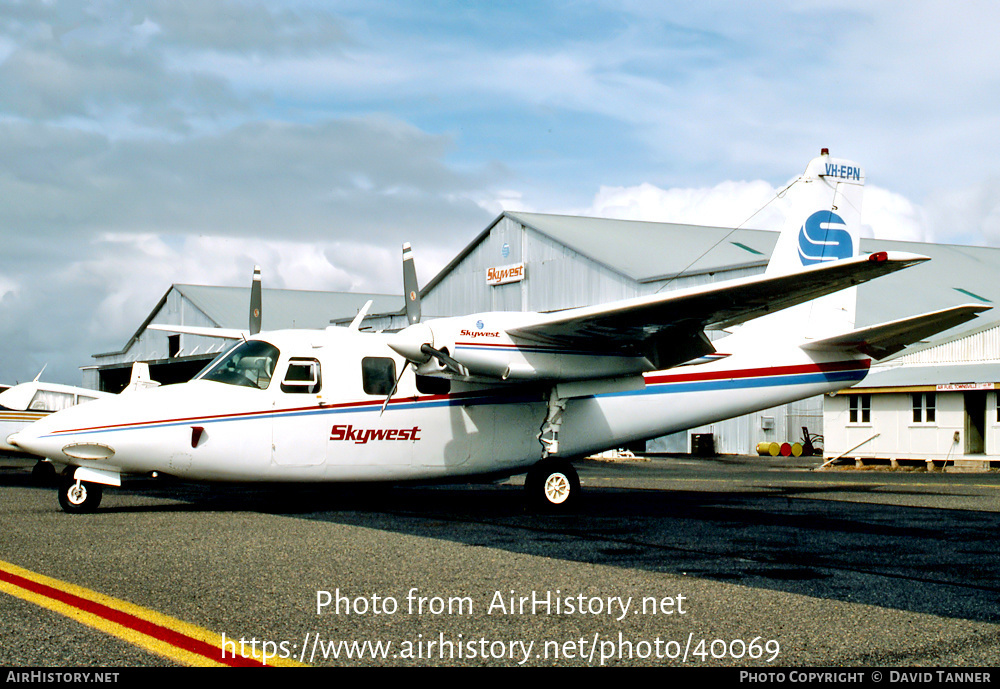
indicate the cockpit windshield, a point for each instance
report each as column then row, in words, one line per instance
column 250, row 364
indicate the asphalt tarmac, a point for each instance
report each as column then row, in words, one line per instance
column 747, row 562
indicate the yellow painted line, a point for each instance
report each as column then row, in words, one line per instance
column 160, row 634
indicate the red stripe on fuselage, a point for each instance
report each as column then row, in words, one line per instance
column 771, row 371
column 651, row 379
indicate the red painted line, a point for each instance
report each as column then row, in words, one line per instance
column 132, row 622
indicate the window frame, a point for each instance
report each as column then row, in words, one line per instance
column 859, row 409
column 307, row 386
column 923, row 407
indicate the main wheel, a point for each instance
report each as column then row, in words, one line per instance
column 43, row 474
column 79, row 497
column 553, row 485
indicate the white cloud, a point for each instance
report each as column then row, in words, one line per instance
column 728, row 204
column 885, row 214
column 969, row 215
column 889, row 215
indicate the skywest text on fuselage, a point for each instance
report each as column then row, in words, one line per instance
column 361, row 436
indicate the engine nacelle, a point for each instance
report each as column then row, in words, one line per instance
column 489, row 352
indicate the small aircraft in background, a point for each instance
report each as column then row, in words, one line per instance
column 25, row 403
column 505, row 393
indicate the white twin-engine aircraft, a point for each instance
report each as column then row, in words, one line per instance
column 498, row 394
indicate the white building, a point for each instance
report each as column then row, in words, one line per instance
column 938, row 403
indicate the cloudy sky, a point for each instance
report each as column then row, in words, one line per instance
column 149, row 142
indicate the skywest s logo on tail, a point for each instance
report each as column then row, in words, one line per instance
column 824, row 237
column 549, row 387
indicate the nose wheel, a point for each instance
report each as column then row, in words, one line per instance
column 553, row 484
column 79, row 497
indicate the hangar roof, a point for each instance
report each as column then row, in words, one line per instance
column 954, row 275
column 648, row 251
column 228, row 307
column 921, row 376
column 282, row 308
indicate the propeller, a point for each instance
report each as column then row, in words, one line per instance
column 410, row 290
column 415, row 342
column 255, row 302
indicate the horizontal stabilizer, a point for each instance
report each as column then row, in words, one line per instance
column 224, row 333
column 885, row 339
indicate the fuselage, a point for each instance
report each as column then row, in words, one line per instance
column 316, row 409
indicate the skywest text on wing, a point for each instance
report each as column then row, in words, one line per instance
column 361, row 436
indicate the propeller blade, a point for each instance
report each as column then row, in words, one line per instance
column 411, row 293
column 394, row 387
column 255, row 302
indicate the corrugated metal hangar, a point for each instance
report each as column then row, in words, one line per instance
column 176, row 358
column 536, row 262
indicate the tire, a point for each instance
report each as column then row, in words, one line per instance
column 79, row 499
column 553, row 485
column 43, row 474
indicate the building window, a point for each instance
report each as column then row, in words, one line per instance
column 860, row 408
column 924, row 407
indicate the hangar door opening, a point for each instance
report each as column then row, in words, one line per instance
column 975, row 423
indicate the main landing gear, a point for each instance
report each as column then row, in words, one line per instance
column 553, row 484
column 78, row 497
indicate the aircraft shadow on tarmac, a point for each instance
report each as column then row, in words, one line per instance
column 793, row 539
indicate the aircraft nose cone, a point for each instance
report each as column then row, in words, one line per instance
column 24, row 441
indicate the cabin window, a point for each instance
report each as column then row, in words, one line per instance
column 924, row 407
column 860, row 407
column 302, row 376
column 250, row 364
column 378, row 375
column 50, row 400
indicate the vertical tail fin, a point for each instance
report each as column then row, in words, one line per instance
column 823, row 224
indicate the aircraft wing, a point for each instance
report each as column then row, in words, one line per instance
column 885, row 339
column 682, row 315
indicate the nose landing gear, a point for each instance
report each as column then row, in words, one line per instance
column 79, row 497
